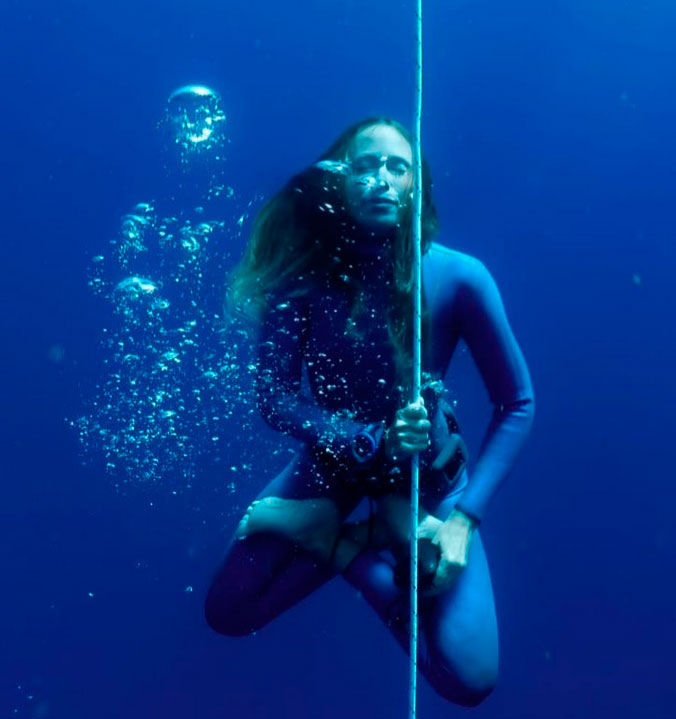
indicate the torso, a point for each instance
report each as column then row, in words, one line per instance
column 356, row 371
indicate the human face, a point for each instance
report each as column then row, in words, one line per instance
column 379, row 177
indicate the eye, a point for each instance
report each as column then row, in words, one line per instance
column 365, row 165
column 397, row 166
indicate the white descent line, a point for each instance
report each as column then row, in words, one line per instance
column 417, row 341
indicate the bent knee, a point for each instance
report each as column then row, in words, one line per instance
column 228, row 619
column 472, row 694
column 467, row 683
column 462, row 692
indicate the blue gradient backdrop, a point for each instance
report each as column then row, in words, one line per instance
column 550, row 128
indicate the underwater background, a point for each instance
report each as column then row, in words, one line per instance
column 550, row 128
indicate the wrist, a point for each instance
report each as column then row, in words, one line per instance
column 466, row 517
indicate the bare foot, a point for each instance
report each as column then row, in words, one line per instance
column 309, row 523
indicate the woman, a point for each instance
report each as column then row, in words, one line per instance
column 328, row 275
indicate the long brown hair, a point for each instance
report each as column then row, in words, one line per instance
column 300, row 231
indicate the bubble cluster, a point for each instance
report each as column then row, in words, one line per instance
column 175, row 391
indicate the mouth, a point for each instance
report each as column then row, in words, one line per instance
column 382, row 202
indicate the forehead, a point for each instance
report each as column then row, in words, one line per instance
column 381, row 140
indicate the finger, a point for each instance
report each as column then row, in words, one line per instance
column 438, row 585
column 428, row 527
column 413, row 412
column 409, row 434
column 419, row 440
column 446, row 575
column 417, row 405
column 413, row 449
column 414, row 445
column 413, row 429
column 419, row 426
column 243, row 525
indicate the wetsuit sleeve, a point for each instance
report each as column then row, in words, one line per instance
column 282, row 337
column 483, row 324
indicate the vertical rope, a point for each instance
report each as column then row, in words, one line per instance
column 417, row 351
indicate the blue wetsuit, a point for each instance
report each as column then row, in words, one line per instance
column 353, row 382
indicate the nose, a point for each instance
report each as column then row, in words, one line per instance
column 382, row 176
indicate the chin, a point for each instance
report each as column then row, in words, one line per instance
column 379, row 224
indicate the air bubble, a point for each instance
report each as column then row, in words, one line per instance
column 195, row 120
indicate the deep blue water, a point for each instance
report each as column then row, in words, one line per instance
column 549, row 127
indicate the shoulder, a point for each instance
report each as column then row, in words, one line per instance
column 448, row 260
column 444, row 266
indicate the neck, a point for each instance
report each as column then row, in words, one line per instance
column 373, row 268
column 365, row 256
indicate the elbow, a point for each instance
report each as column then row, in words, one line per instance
column 531, row 412
column 524, row 409
column 527, row 405
column 521, row 409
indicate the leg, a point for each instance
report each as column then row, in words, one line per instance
column 260, row 578
column 458, row 642
column 462, row 634
column 264, row 573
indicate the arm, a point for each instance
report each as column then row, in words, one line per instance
column 483, row 324
column 283, row 335
column 480, row 319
